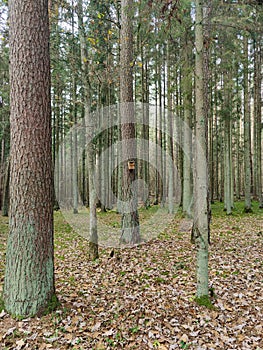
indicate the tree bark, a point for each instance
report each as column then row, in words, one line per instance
column 187, row 134
column 89, row 126
column 29, row 275
column 170, row 122
column 247, row 130
column 201, row 222
column 130, row 218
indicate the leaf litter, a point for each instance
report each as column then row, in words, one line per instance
column 143, row 297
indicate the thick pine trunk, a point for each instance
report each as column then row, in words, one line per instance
column 29, row 275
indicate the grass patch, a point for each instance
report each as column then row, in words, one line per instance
column 60, row 224
column 238, row 210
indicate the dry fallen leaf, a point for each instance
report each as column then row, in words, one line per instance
column 147, row 297
column 20, row 343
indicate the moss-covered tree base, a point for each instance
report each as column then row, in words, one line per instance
column 204, row 300
column 52, row 305
column 93, row 251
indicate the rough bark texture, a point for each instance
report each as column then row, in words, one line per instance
column 201, row 222
column 130, row 219
column 29, row 275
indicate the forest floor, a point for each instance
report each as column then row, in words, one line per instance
column 143, row 297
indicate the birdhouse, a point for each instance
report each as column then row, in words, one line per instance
column 131, row 165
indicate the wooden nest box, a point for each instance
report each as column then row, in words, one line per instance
column 131, row 165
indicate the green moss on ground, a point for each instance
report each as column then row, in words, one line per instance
column 238, row 210
column 204, row 300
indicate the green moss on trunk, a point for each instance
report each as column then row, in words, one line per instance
column 204, row 300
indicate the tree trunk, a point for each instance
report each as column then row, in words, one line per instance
column 130, row 218
column 247, row 130
column 170, row 122
column 227, row 141
column 258, row 123
column 29, row 275
column 187, row 195
column 201, row 222
column 89, row 126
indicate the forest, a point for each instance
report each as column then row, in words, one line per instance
column 131, row 187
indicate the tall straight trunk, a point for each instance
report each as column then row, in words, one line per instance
column 157, row 155
column 207, row 11
column 74, row 120
column 257, row 123
column 227, row 143
column 160, row 128
column 227, row 166
column 247, row 130
column 75, row 154
column 89, row 126
column 187, row 131
column 215, row 139
column 164, row 134
column 178, row 153
column 130, row 231
column 237, row 137
column 83, row 165
column 215, row 157
column 29, row 274
column 201, row 222
column 58, row 181
column 145, row 128
column 170, row 121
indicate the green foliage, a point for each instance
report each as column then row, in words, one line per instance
column 238, row 211
column 204, row 300
column 183, row 345
column 134, row 330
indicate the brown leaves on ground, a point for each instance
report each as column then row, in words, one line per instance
column 143, row 298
